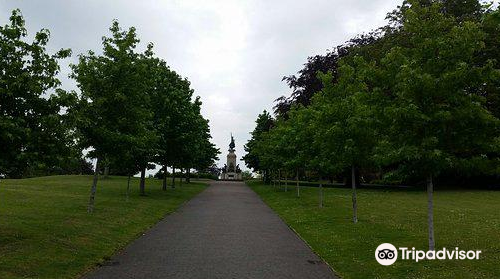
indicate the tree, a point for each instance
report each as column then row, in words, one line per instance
column 287, row 145
column 169, row 89
column 306, row 83
column 264, row 123
column 183, row 133
column 113, row 113
column 433, row 120
column 343, row 125
column 269, row 152
column 35, row 135
column 294, row 142
column 490, row 54
column 196, row 150
column 174, row 134
column 246, row 175
column 205, row 152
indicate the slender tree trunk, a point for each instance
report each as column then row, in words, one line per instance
column 320, row 195
column 93, row 189
column 430, row 212
column 128, row 186
column 188, row 177
column 286, row 181
column 298, row 186
column 143, row 182
column 180, row 177
column 164, row 188
column 354, row 196
column 349, row 179
column 274, row 179
column 173, row 177
column 106, row 171
column 279, row 178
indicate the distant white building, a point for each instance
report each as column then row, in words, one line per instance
column 231, row 171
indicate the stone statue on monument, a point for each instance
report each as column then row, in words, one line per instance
column 231, row 145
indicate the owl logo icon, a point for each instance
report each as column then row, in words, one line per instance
column 386, row 254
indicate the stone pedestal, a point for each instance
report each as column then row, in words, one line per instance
column 231, row 176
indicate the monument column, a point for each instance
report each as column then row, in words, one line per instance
column 231, row 170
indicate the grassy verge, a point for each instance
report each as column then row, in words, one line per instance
column 45, row 231
column 466, row 219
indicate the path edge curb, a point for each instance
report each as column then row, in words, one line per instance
column 120, row 249
column 297, row 234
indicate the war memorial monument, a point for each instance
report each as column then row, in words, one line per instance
column 231, row 171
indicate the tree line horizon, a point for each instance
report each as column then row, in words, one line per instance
column 412, row 101
column 131, row 110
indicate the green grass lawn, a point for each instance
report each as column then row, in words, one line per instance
column 46, row 232
column 466, row 219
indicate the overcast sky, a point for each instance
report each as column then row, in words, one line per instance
column 233, row 52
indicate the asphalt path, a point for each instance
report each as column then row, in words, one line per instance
column 226, row 231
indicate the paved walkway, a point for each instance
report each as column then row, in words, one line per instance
column 224, row 232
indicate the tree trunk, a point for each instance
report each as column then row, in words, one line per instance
column 143, row 182
column 128, row 186
column 298, row 186
column 286, row 182
column 430, row 212
column 106, row 171
column 279, row 178
column 349, row 178
column 320, row 195
column 354, row 197
column 188, row 177
column 274, row 179
column 93, row 189
column 173, row 177
column 164, row 188
column 180, row 176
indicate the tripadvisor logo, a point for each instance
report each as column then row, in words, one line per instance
column 387, row 254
